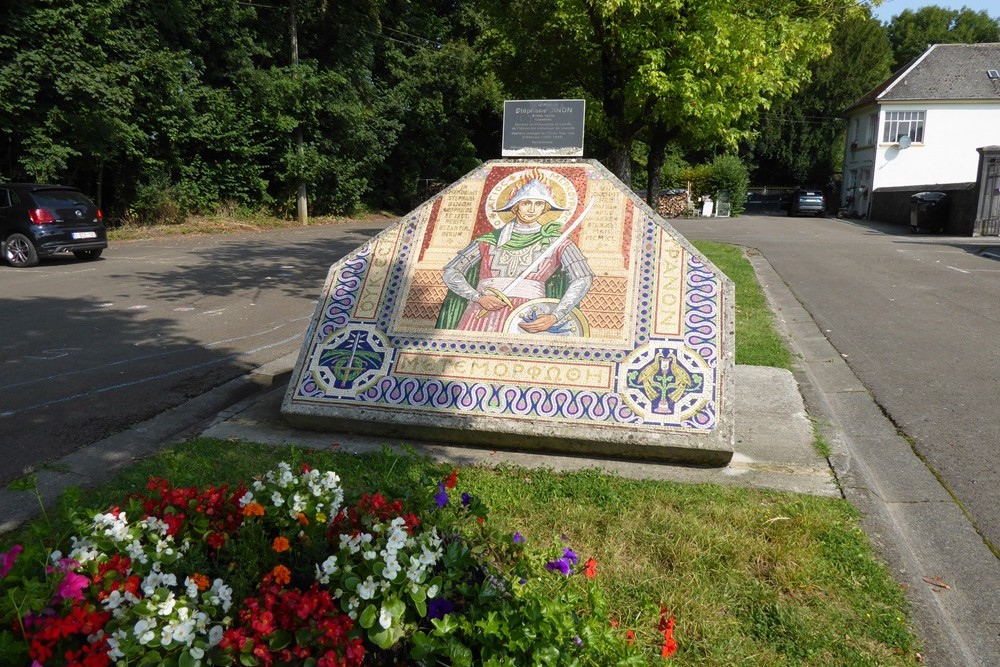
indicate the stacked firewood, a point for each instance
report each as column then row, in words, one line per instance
column 672, row 205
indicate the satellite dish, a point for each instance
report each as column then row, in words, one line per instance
column 904, row 142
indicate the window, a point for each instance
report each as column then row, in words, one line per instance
column 903, row 124
column 4, row 198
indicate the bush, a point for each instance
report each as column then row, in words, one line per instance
column 726, row 173
column 730, row 175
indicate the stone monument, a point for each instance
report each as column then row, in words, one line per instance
column 535, row 304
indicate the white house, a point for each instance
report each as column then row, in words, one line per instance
column 920, row 130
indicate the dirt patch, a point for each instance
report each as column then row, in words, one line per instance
column 221, row 224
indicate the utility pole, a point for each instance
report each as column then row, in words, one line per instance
column 302, row 202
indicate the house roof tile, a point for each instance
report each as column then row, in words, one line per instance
column 943, row 72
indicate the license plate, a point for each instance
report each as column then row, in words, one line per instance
column 85, row 235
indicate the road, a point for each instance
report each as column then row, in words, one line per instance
column 917, row 318
column 90, row 348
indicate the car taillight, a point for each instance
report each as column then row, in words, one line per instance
column 100, row 216
column 41, row 216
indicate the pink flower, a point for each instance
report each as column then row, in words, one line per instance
column 7, row 559
column 72, row 586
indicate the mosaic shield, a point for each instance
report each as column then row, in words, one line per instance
column 533, row 305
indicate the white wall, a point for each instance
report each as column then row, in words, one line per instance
column 952, row 133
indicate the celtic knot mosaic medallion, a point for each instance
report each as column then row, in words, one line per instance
column 666, row 383
column 351, row 360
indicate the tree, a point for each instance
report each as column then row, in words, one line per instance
column 800, row 139
column 911, row 32
column 694, row 70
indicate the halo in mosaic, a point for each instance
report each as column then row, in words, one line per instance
column 535, row 304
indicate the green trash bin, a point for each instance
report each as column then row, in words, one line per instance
column 928, row 212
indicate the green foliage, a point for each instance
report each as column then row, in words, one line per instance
column 800, row 140
column 911, row 31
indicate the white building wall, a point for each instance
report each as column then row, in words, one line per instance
column 952, row 133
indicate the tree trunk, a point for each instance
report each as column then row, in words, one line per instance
column 301, row 200
column 100, row 184
column 621, row 163
column 660, row 137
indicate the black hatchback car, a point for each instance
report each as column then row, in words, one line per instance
column 40, row 220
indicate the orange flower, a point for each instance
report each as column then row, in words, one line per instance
column 590, row 568
column 280, row 544
column 200, row 580
column 630, row 636
column 253, row 509
column 303, row 519
column 282, row 575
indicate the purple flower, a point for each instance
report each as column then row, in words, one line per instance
column 438, row 607
column 569, row 555
column 518, row 538
column 578, row 641
column 466, row 499
column 560, row 564
column 441, row 497
column 7, row 559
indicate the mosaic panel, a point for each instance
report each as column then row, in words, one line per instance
column 535, row 292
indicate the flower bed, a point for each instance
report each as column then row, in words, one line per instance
column 296, row 569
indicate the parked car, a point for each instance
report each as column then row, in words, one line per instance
column 807, row 202
column 40, row 220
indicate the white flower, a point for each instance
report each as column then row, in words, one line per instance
column 277, row 499
column 432, row 591
column 246, row 499
column 370, row 555
column 391, row 569
column 366, row 590
column 191, row 588
column 385, row 618
column 221, row 594
column 215, row 635
column 113, row 600
column 197, row 653
column 145, row 630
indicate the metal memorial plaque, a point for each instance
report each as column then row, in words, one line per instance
column 543, row 128
column 531, row 305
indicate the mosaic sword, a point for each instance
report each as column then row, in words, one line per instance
column 502, row 294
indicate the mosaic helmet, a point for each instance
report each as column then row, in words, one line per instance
column 533, row 189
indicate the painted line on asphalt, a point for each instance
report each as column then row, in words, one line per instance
column 145, row 357
column 151, row 378
column 956, row 269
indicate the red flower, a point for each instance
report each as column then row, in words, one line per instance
column 590, row 568
column 451, row 480
column 666, row 626
column 630, row 636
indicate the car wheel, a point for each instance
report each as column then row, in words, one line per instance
column 19, row 251
column 88, row 255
